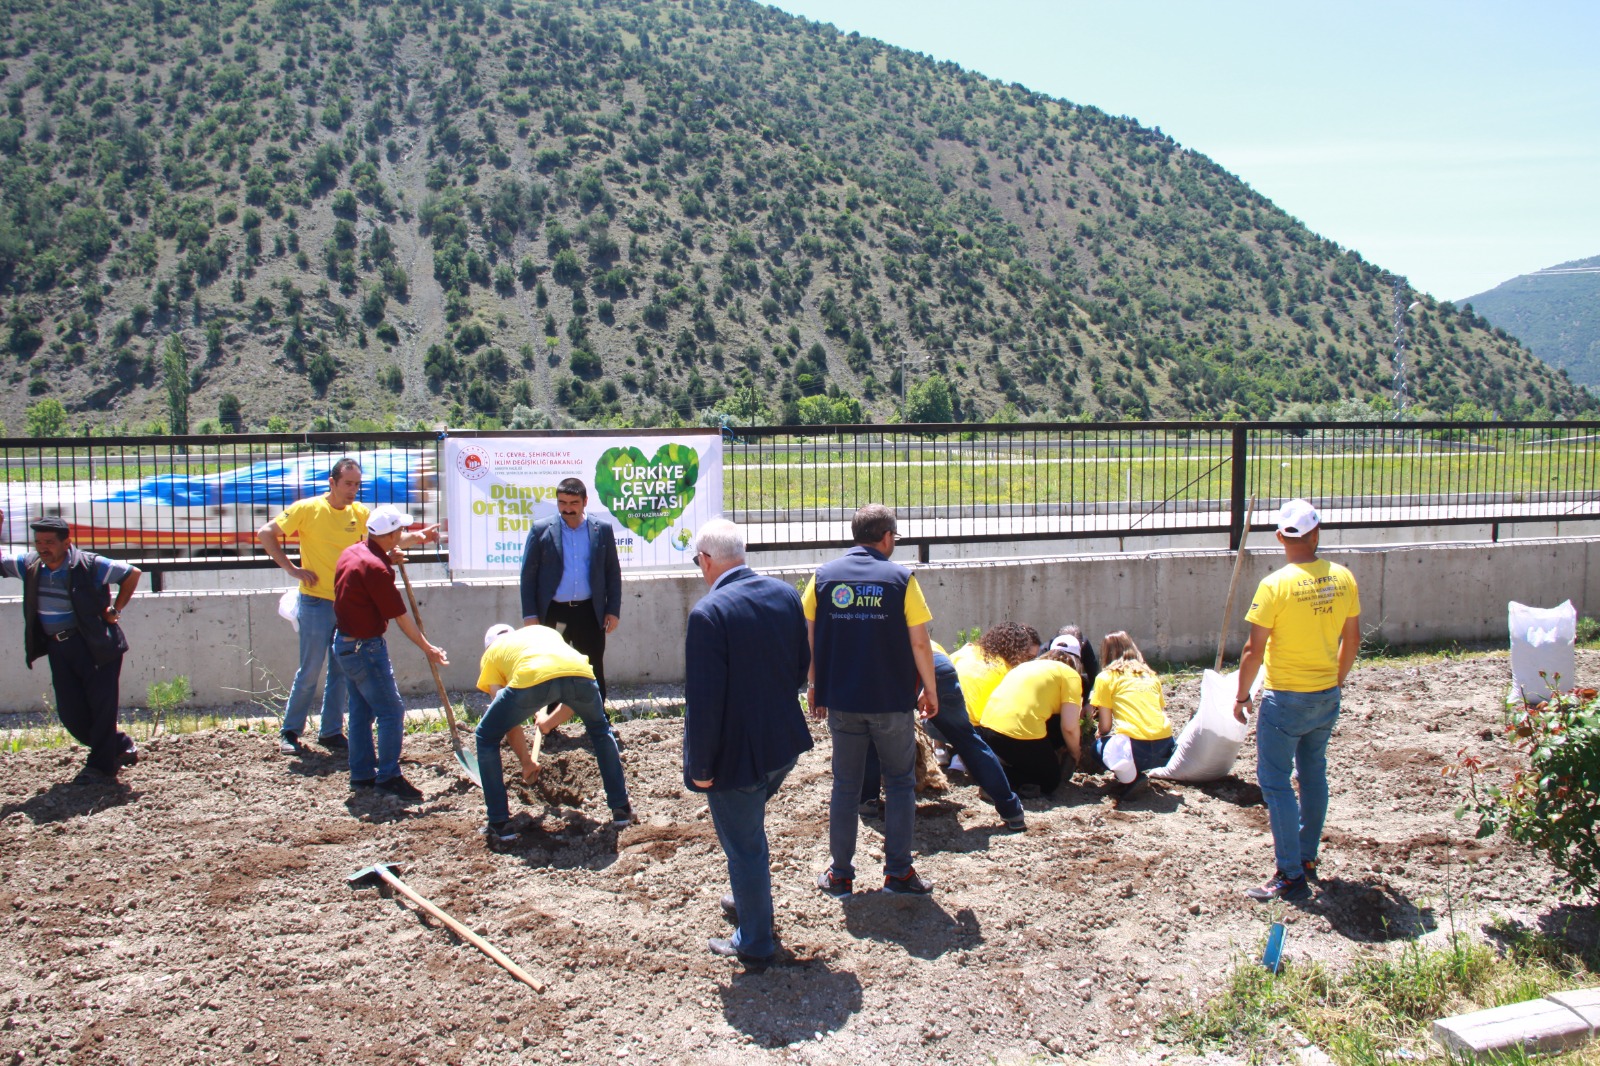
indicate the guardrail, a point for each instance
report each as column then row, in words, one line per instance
column 194, row 503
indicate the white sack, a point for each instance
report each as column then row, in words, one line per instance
column 289, row 607
column 1542, row 641
column 1210, row 743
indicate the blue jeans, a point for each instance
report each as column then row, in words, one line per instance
column 952, row 726
column 1292, row 733
column 316, row 634
column 374, row 697
column 853, row 735
column 740, row 817
column 513, row 706
column 1147, row 754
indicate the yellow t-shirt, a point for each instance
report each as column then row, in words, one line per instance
column 324, row 532
column 979, row 675
column 916, row 606
column 1028, row 696
column 1306, row 606
column 1135, row 703
column 530, row 656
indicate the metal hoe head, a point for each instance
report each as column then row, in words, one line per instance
column 372, row 875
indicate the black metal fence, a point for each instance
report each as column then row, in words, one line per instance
column 973, row 483
column 195, row 503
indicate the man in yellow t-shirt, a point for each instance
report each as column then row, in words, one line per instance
column 526, row 669
column 1305, row 626
column 326, row 525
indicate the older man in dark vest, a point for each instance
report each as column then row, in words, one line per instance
column 68, row 615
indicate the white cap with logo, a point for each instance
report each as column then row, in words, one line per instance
column 1297, row 518
column 495, row 632
column 386, row 518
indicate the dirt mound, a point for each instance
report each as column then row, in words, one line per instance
column 200, row 912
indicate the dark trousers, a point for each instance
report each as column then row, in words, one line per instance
column 86, row 701
column 1027, row 762
column 584, row 632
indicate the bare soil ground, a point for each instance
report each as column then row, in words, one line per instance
column 198, row 912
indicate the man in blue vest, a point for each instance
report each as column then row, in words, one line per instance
column 870, row 651
column 68, row 615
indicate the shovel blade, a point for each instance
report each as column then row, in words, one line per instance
column 469, row 762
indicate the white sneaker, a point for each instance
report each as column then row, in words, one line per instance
column 957, row 765
column 941, row 756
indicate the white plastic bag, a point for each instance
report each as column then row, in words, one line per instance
column 1542, row 642
column 289, row 607
column 1210, row 742
column 1118, row 757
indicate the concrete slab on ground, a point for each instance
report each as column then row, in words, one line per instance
column 1538, row 1026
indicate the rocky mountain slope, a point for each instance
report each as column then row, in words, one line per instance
column 318, row 213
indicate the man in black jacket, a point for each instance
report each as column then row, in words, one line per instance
column 572, row 578
column 68, row 615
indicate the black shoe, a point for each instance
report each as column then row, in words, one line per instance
column 288, row 743
column 1310, row 867
column 337, row 742
column 870, row 808
column 399, row 787
column 1029, row 791
column 1280, row 887
column 730, row 909
column 93, row 775
column 837, row 887
column 1133, row 789
column 725, row 948
column 621, row 818
column 909, row 885
column 499, row 832
column 1017, row 823
column 363, row 782
column 130, row 754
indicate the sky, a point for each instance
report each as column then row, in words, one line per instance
column 1457, row 144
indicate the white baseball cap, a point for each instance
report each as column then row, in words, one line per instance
column 495, row 632
column 386, row 518
column 1297, row 518
column 1068, row 643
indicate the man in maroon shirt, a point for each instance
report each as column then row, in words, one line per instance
column 364, row 601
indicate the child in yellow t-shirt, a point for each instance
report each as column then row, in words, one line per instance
column 1127, row 699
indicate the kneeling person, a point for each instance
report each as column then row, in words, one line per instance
column 526, row 669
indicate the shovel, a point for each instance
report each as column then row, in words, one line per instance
column 1233, row 585
column 469, row 763
column 388, row 873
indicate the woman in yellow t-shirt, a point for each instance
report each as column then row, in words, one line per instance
column 1015, row 717
column 1127, row 699
column 981, row 665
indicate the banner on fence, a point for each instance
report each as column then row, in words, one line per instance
column 654, row 490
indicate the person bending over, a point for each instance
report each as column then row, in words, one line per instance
column 1127, row 699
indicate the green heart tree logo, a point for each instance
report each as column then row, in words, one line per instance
column 647, row 495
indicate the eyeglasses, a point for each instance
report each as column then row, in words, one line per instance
column 701, row 555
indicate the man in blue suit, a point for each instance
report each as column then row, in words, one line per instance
column 571, row 579
column 746, row 659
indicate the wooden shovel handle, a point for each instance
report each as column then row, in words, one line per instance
column 1233, row 585
column 462, row 931
column 449, row 712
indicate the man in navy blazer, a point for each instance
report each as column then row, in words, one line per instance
column 571, row 578
column 746, row 658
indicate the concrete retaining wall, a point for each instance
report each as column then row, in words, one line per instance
column 234, row 647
